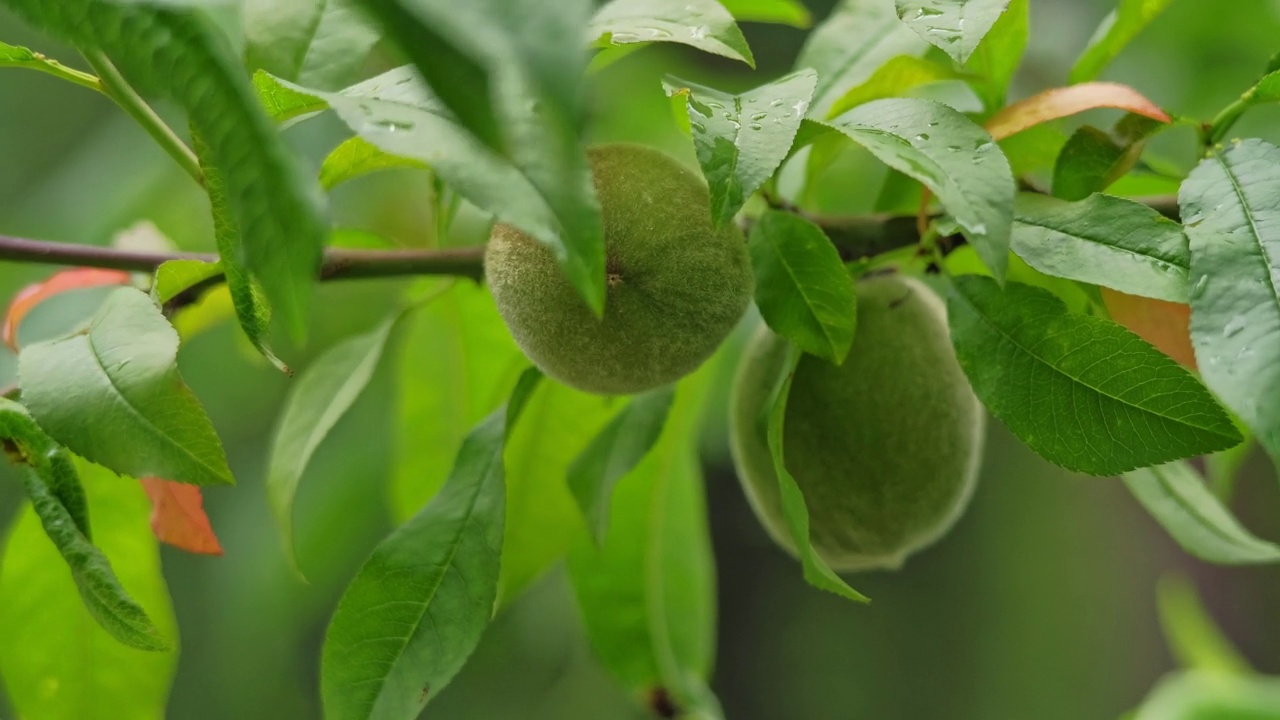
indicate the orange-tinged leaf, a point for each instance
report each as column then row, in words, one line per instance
column 1165, row 324
column 36, row 293
column 178, row 517
column 1060, row 102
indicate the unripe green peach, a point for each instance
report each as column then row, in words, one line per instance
column 885, row 448
column 676, row 286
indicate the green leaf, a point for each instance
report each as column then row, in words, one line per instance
column 956, row 159
column 398, row 114
column 512, row 76
column 816, row 571
column 130, row 410
column 1211, row 696
column 855, row 39
column 324, row 392
column 1177, row 497
column 175, row 277
column 803, row 290
column 20, row 57
column 1092, row 160
column 612, row 454
column 160, row 50
column 892, row 79
column 251, row 306
column 742, row 139
column 703, row 24
column 997, row 57
column 356, row 157
column 1228, row 206
column 1114, row 32
column 648, row 594
column 1104, row 240
column 953, row 26
column 416, row 610
column 1084, row 392
column 1193, row 637
column 58, row 663
column 780, row 12
column 282, row 102
column 317, row 43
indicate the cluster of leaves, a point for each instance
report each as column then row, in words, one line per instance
column 495, row 112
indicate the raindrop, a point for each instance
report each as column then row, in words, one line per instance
column 922, row 137
column 1234, row 326
column 700, row 32
column 759, row 116
column 755, row 126
column 1199, row 287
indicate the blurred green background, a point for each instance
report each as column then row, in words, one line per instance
column 1040, row 604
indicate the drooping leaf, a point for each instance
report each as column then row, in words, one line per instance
column 703, row 24
column 803, row 290
column 1193, row 637
column 781, row 12
column 895, row 77
column 56, row 661
column 512, row 76
column 1212, row 696
column 175, row 277
column 417, row 608
column 612, row 454
column 816, row 571
column 160, row 49
column 318, row 43
column 1113, row 34
column 1228, row 206
column 996, row 59
column 1083, row 392
column 130, row 410
column 1061, row 102
column 742, row 139
column 953, row 26
column 1104, row 240
column 648, row 594
column 317, row 400
column 32, row 295
column 954, row 158
column 1177, row 497
column 178, row 517
column 846, row 49
column 356, row 157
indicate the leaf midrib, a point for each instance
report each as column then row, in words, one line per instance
column 1204, row 521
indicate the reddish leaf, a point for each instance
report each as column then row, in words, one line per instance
column 36, row 293
column 1163, row 324
column 1060, row 102
column 178, row 518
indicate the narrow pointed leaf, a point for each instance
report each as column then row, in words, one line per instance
column 742, row 139
column 1084, row 392
column 417, row 608
column 178, row 517
column 1233, row 223
column 953, row 26
column 612, row 454
column 1178, row 498
column 856, row 38
column 318, row 43
column 1113, row 34
column 32, row 295
column 130, row 410
column 1104, row 240
column 1056, row 103
column 703, row 24
column 954, row 158
column 803, row 290
column 993, row 64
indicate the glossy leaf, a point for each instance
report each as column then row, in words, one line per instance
column 317, row 400
column 742, row 139
column 357, row 157
column 1193, row 637
column 113, row 395
column 954, row 158
column 1083, row 392
column 1104, row 240
column 846, row 49
column 954, row 26
column 57, row 662
column 178, row 517
column 32, row 295
column 892, row 79
column 1056, row 103
column 816, row 571
column 1228, row 205
column 175, row 277
column 803, row 290
column 1178, row 498
column 417, row 608
column 648, row 594
column 1113, row 34
column 317, row 43
column 704, row 24
column 612, row 454
column 781, row 12
column 493, row 65
column 997, row 57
